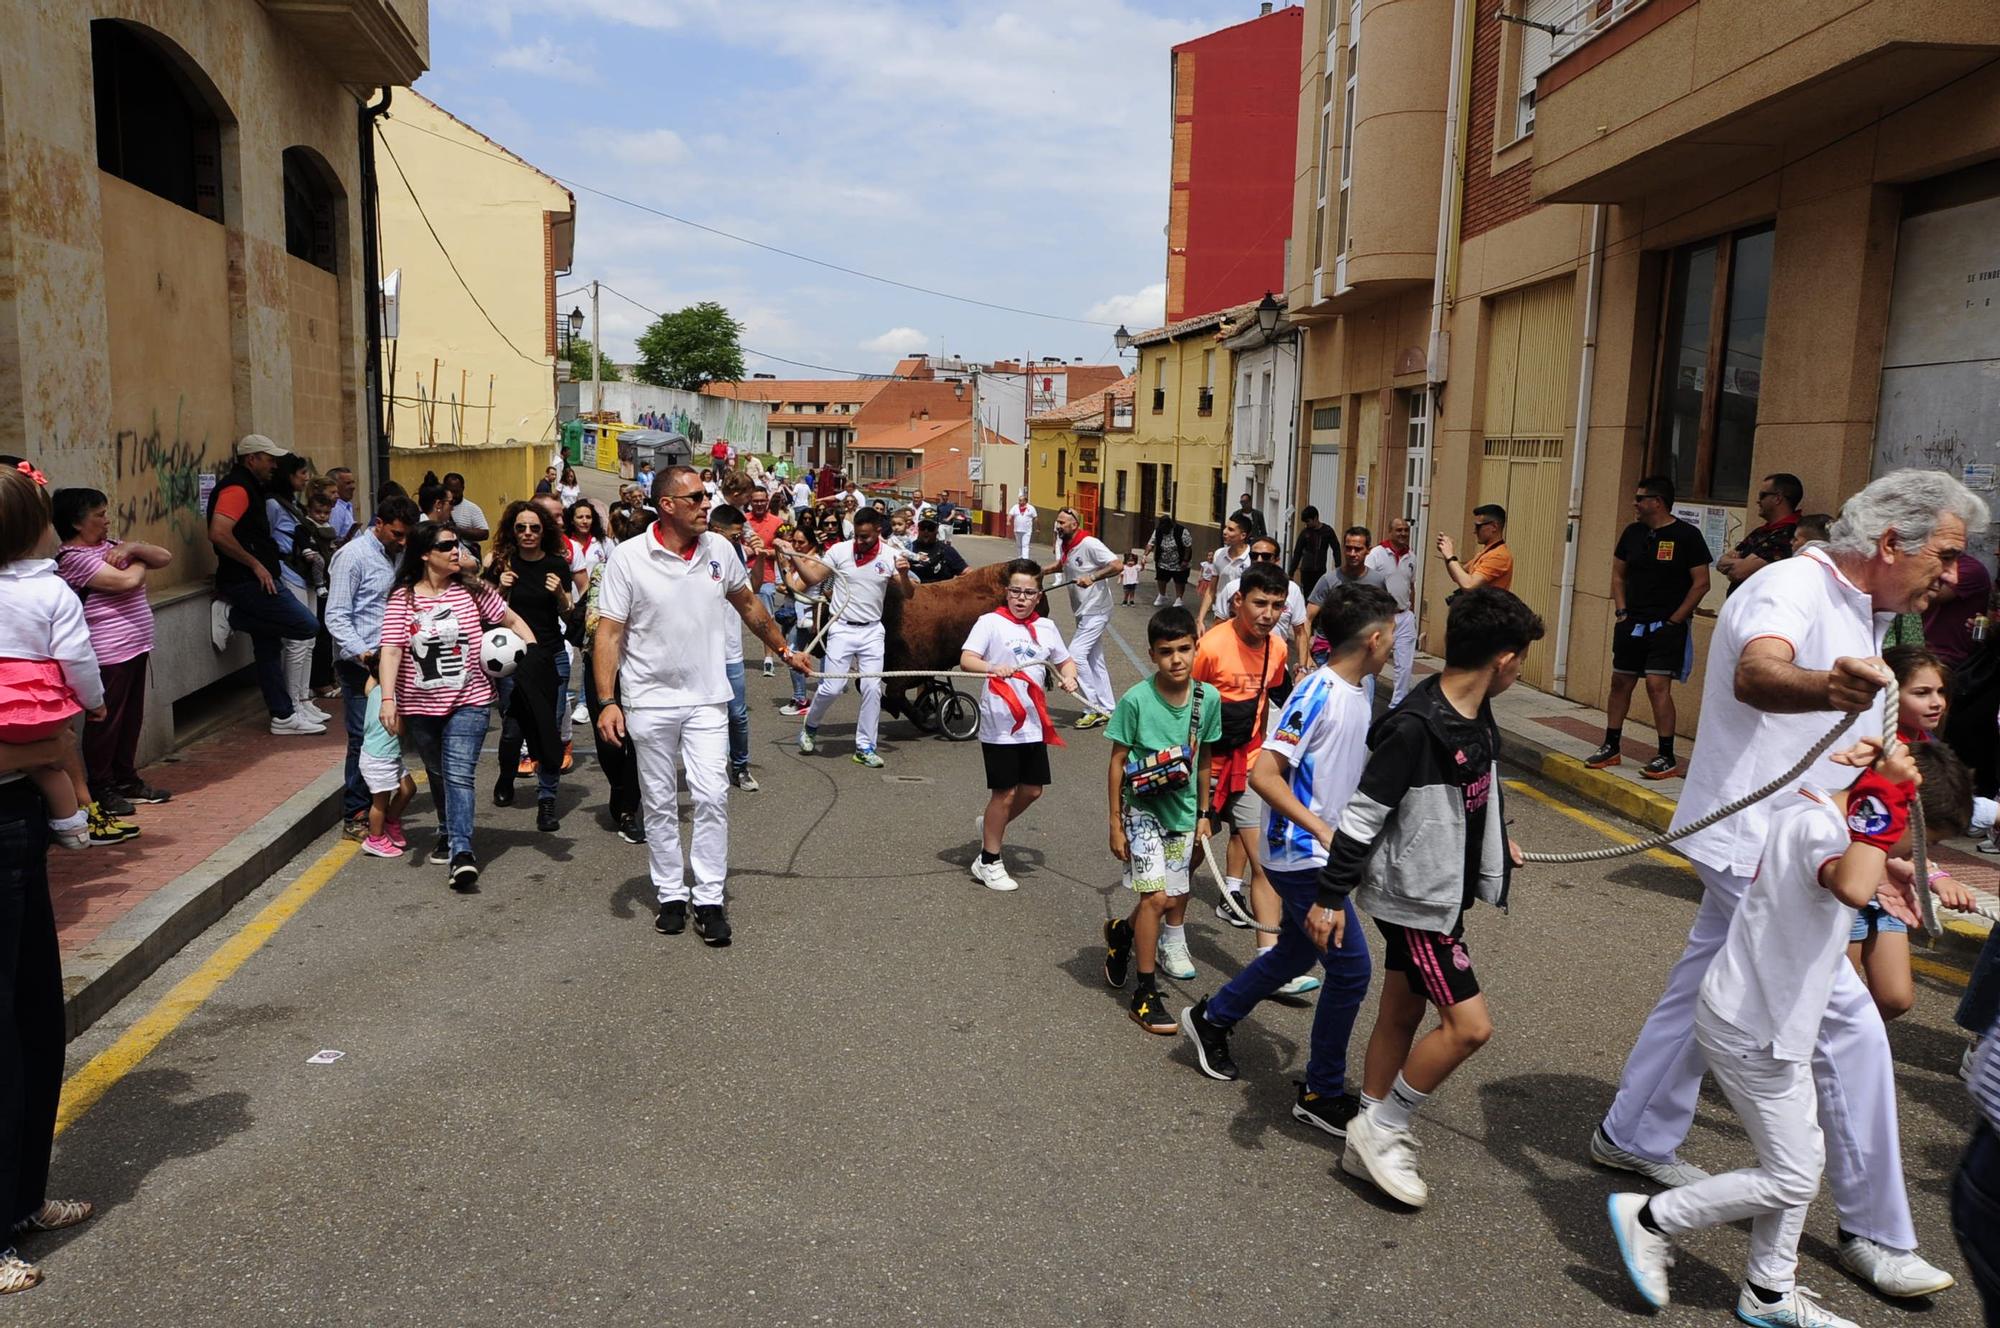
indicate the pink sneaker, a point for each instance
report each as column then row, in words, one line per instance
column 381, row 846
column 392, row 830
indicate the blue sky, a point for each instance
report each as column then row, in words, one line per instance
column 1013, row 151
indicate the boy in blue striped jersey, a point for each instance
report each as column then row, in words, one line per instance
column 1307, row 770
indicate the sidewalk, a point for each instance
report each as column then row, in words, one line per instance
column 1550, row 736
column 244, row 804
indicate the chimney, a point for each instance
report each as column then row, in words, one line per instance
column 1264, row 10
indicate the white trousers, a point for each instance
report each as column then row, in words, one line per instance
column 1774, row 1100
column 1852, row 1070
column 1406, row 655
column 298, row 655
column 852, row 648
column 696, row 737
column 1024, row 538
column 1093, row 676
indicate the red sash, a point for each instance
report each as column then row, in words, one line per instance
column 1002, row 688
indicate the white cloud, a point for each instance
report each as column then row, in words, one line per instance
column 650, row 147
column 1138, row 311
column 897, row 341
column 545, row 57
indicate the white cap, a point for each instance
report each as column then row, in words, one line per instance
column 256, row 442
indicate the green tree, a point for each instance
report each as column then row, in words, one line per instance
column 580, row 351
column 698, row 345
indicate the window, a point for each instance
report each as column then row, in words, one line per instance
column 312, row 209
column 1537, row 48
column 1062, row 472
column 1347, row 144
column 1709, row 374
column 1325, row 418
column 155, row 125
column 1118, row 502
column 1159, row 384
column 1218, row 496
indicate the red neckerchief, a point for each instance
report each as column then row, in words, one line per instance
column 659, row 528
column 1063, row 544
column 1780, row 524
column 1036, row 696
column 859, row 561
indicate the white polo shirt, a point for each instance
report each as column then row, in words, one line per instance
column 1225, row 569
column 676, row 613
column 1810, row 604
column 1397, row 572
column 1083, row 555
column 1788, row 937
column 859, row 588
column 1021, row 520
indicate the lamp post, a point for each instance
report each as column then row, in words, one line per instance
column 571, row 328
column 1268, row 310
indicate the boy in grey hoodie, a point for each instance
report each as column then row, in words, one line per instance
column 1422, row 838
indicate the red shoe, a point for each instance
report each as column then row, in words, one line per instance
column 569, row 758
column 527, row 766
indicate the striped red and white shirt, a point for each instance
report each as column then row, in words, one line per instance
column 120, row 621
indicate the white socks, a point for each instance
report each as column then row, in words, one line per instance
column 1172, row 935
column 1394, row 1111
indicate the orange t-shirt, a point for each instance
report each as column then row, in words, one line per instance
column 1495, row 562
column 1224, row 659
column 232, row 502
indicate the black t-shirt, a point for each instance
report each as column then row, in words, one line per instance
column 1476, row 786
column 1659, row 566
column 530, row 596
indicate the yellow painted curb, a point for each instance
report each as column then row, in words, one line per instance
column 1620, row 795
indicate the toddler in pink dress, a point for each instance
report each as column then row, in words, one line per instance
column 48, row 672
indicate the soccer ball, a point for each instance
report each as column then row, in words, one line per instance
column 500, row 653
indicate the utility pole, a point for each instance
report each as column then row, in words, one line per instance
column 596, row 359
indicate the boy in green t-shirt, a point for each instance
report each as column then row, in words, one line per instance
column 1150, row 830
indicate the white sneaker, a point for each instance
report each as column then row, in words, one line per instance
column 993, row 875
column 1669, row 1173
column 1159, row 601
column 1795, row 1309
column 1965, row 1060
column 1646, row 1254
column 1175, row 961
column 295, row 725
column 1385, row 1158
column 1303, row 985
column 580, row 715
column 218, row 624
column 1898, row 1273
column 313, row 714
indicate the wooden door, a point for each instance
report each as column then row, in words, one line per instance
column 1086, row 506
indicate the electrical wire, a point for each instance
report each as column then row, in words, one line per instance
column 852, row 373
column 772, row 248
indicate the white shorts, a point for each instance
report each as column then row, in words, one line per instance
column 382, row 774
column 1159, row 860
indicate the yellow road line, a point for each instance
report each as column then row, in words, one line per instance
column 82, row 1090
column 1930, row 968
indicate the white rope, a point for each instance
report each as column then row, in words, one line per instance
column 1222, row 889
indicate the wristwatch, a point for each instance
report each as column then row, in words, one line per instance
column 1451, row 557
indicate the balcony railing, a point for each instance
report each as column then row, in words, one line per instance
column 1588, row 19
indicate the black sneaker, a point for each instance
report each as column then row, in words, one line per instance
column 1149, row 1011
column 1603, row 757
column 144, row 792
column 1211, row 1041
column 711, row 923
column 545, row 817
column 630, row 830
column 465, row 873
column 1117, row 950
column 503, row 792
column 1222, row 911
column 1326, row 1111
column 673, row 918
column 113, row 805
column 1661, row 767
column 440, row 852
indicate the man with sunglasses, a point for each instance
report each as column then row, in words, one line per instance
column 861, row 569
column 1778, row 499
column 1493, row 565
column 661, row 626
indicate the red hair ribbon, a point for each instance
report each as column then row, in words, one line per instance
column 28, row 469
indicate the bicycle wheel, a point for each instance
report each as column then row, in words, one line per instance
column 958, row 716
column 924, row 708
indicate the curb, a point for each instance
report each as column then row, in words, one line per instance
column 1961, row 940
column 110, row 968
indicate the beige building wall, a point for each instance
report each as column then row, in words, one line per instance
column 1180, row 434
column 507, row 227
column 138, row 338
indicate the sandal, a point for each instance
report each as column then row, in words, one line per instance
column 17, row 1274
column 56, row 1214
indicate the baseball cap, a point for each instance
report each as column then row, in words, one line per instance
column 252, row 443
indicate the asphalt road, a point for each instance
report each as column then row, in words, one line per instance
column 897, row 1097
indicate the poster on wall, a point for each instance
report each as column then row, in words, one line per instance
column 1721, row 528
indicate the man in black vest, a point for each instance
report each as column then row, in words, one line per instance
column 246, row 578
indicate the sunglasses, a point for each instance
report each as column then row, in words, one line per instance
column 445, row 546
column 698, row 497
column 1263, row 557
column 527, row 527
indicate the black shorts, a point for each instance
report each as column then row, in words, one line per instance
column 1011, row 764
column 1662, row 650
column 1434, row 963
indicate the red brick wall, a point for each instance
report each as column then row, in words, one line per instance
column 1490, row 200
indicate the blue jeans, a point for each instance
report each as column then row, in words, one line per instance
column 31, row 1005
column 547, row 781
column 270, row 619
column 739, row 718
column 354, row 797
column 1347, row 972
column 449, row 746
column 1975, row 1215
column 1980, row 1005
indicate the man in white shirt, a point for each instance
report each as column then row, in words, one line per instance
column 802, row 497
column 466, row 518
column 1395, row 568
column 662, row 620
column 1795, row 645
column 862, row 569
column 1021, row 520
column 1220, row 574
column 1091, row 568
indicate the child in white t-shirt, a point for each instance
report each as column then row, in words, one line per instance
column 1017, row 650
column 1760, row 1009
column 1129, row 578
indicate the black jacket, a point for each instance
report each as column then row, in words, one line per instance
column 253, row 531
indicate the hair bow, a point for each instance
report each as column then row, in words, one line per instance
column 27, row 468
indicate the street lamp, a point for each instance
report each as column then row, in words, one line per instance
column 1121, row 338
column 571, row 328
column 1267, row 314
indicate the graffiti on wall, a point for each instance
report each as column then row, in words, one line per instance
column 156, row 484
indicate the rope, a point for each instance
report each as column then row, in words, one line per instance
column 1222, row 890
